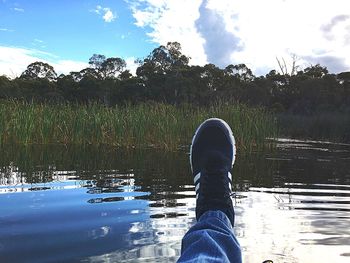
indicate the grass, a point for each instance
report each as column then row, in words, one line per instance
column 321, row 126
column 144, row 125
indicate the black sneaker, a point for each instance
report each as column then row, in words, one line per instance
column 212, row 156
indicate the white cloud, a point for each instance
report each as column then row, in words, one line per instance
column 172, row 21
column 14, row 60
column 6, row 30
column 131, row 65
column 67, row 66
column 106, row 13
column 38, row 43
column 275, row 28
column 212, row 27
column 253, row 32
column 109, row 16
column 18, row 9
column 97, row 10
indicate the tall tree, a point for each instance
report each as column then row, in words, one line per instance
column 316, row 71
column 163, row 60
column 86, row 72
column 39, row 70
column 111, row 66
column 106, row 67
column 96, row 61
column 241, row 72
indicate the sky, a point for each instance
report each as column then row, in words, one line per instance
column 67, row 33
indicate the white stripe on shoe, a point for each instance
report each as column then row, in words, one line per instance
column 229, row 176
column 197, row 181
column 196, row 178
column 197, row 187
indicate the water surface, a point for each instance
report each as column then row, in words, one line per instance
column 61, row 204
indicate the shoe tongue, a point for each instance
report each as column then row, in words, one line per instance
column 216, row 161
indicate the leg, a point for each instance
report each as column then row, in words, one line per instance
column 212, row 155
column 211, row 240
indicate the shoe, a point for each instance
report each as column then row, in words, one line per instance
column 212, row 155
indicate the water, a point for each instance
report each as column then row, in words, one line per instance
column 62, row 204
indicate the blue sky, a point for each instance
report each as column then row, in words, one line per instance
column 67, row 33
column 72, row 29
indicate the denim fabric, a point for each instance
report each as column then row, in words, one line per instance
column 211, row 239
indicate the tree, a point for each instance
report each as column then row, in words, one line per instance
column 87, row 72
column 106, row 67
column 316, row 71
column 125, row 75
column 240, row 71
column 176, row 57
column 111, row 66
column 5, row 88
column 39, row 70
column 344, row 77
column 69, row 86
column 163, row 60
column 96, row 61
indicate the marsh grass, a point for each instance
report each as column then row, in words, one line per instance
column 144, row 125
column 322, row 126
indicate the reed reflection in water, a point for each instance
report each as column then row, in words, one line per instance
column 102, row 205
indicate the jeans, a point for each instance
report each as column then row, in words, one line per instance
column 211, row 239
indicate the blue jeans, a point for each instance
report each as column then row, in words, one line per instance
column 211, row 239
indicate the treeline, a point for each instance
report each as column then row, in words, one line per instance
column 166, row 76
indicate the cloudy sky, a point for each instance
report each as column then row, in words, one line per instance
column 66, row 33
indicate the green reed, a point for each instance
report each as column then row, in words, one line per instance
column 144, row 125
column 333, row 126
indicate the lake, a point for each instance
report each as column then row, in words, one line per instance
column 71, row 204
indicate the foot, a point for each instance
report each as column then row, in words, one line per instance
column 212, row 156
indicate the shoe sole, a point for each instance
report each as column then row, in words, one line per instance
column 226, row 129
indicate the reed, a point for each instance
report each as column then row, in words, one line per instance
column 319, row 126
column 144, row 125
